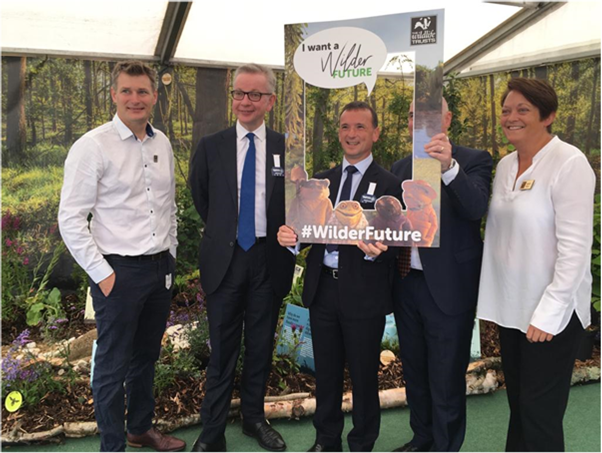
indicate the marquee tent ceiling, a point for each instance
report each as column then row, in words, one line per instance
column 210, row 33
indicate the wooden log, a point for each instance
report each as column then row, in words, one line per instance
column 80, row 429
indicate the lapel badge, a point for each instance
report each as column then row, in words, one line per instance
column 527, row 185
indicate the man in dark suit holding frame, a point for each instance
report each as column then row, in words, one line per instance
column 237, row 182
column 435, row 295
column 348, row 292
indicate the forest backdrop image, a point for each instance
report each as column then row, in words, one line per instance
column 48, row 103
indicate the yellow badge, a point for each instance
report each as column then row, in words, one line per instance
column 527, row 185
column 13, row 401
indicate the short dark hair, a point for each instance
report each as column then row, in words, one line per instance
column 538, row 92
column 360, row 105
column 133, row 68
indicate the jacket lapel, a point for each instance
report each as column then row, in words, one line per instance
column 272, row 147
column 371, row 175
column 335, row 181
column 227, row 153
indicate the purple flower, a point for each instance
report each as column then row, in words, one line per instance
column 19, row 250
column 61, row 320
column 294, row 326
column 6, row 220
column 22, row 339
column 53, row 327
column 25, row 261
column 300, row 329
column 9, row 243
column 16, row 223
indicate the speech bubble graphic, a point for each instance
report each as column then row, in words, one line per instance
column 340, row 57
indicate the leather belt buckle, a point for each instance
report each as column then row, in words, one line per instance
column 331, row 272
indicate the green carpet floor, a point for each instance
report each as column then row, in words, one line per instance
column 486, row 428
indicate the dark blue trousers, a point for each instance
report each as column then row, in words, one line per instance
column 435, row 351
column 244, row 298
column 130, row 322
column 337, row 339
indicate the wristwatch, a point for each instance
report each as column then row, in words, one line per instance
column 452, row 165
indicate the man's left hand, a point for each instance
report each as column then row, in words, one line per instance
column 535, row 335
column 372, row 250
column 440, row 148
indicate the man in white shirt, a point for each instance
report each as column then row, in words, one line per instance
column 123, row 174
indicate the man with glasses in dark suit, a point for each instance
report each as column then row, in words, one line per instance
column 237, row 182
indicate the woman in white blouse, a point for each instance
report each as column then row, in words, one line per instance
column 536, row 279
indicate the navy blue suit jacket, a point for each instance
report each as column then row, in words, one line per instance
column 214, row 189
column 364, row 286
column 452, row 271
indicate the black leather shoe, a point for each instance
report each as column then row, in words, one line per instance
column 319, row 447
column 220, row 445
column 266, row 436
column 408, row 447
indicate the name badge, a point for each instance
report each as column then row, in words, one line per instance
column 527, row 185
column 369, row 197
column 277, row 169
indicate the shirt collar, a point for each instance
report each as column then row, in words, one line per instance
column 547, row 146
column 361, row 166
column 241, row 132
column 125, row 132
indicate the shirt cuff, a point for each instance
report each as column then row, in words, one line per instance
column 451, row 174
column 369, row 258
column 294, row 250
column 101, row 272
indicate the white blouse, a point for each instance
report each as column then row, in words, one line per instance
column 536, row 262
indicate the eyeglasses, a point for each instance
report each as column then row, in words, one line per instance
column 254, row 96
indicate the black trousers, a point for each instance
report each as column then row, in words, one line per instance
column 538, row 380
column 130, row 323
column 245, row 297
column 337, row 337
column 435, row 351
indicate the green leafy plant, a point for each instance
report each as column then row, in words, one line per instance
column 172, row 365
column 284, row 357
column 46, row 305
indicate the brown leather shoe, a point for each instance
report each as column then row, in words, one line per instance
column 155, row 440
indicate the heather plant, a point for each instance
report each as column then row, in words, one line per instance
column 23, row 373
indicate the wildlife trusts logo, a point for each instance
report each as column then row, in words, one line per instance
column 424, row 30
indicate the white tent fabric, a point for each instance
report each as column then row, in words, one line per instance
column 571, row 31
column 224, row 33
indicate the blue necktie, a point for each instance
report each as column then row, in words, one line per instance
column 246, row 215
column 345, row 195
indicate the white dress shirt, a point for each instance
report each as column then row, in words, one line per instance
column 242, row 146
column 129, row 187
column 536, row 262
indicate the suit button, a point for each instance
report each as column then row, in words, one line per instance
column 231, row 244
